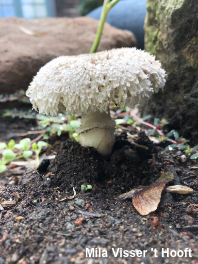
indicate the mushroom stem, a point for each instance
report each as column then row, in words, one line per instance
column 97, row 130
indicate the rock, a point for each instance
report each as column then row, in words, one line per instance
column 80, row 202
column 2, row 261
column 26, row 45
column 127, row 14
column 69, row 226
column 99, row 242
column 171, row 34
column 166, row 198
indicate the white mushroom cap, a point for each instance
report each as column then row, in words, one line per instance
column 89, row 82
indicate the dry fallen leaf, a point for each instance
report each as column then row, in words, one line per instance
column 147, row 200
column 179, row 189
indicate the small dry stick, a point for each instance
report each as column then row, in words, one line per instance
column 67, row 198
column 37, row 138
column 32, row 133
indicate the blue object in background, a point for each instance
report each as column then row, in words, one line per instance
column 27, row 8
column 126, row 14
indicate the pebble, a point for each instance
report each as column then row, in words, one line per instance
column 69, row 226
column 71, row 251
column 166, row 214
column 183, row 158
column 80, row 202
column 166, row 198
column 117, row 221
column 71, row 208
column 99, row 242
column 2, row 261
column 15, row 257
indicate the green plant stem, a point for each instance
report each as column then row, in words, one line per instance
column 106, row 8
column 71, row 118
column 37, row 159
column 18, row 157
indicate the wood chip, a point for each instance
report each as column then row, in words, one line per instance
column 179, row 189
column 8, row 203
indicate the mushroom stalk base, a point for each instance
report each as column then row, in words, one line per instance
column 97, row 130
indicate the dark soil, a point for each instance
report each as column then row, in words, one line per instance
column 47, row 225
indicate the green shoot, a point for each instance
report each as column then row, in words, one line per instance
column 86, row 187
column 106, row 8
column 37, row 149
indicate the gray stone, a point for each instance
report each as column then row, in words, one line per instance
column 2, row 261
column 166, row 198
column 171, row 34
column 69, row 226
column 99, row 242
column 126, row 14
column 80, row 202
column 26, row 45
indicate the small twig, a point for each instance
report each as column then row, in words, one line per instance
column 37, row 138
column 67, row 198
column 88, row 214
column 125, row 128
column 149, row 125
column 135, row 144
column 31, row 133
column 153, row 159
column 186, row 178
column 156, row 129
column 139, row 146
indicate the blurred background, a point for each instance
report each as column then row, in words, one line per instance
column 46, row 8
column 127, row 14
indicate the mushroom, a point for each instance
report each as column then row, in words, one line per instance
column 86, row 84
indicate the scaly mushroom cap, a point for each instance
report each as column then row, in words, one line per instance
column 89, row 82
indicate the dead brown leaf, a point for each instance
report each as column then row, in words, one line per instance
column 179, row 189
column 147, row 200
